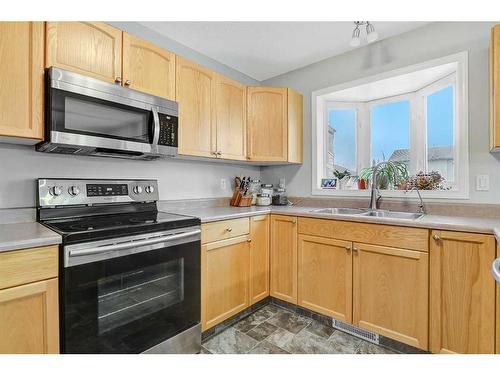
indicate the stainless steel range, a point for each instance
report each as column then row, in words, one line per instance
column 129, row 274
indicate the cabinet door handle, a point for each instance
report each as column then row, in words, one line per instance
column 128, row 82
column 348, row 248
column 118, row 80
column 249, row 240
column 355, row 250
column 435, row 237
column 229, row 229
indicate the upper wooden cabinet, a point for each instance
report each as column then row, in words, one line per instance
column 231, row 118
column 283, row 278
column 275, row 121
column 195, row 92
column 259, row 258
column 29, row 313
column 21, row 77
column 495, row 89
column 390, row 292
column 148, row 68
column 90, row 48
column 462, row 293
column 325, row 276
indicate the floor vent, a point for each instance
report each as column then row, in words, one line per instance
column 355, row 331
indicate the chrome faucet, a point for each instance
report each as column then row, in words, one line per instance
column 421, row 206
column 375, row 194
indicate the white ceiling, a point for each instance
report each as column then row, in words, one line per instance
column 397, row 85
column 263, row 50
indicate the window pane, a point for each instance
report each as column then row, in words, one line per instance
column 440, row 133
column 390, row 132
column 341, row 152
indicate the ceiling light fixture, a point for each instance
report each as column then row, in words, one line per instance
column 371, row 34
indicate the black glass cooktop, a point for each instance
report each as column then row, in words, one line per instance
column 114, row 225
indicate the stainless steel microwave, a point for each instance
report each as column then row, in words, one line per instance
column 86, row 116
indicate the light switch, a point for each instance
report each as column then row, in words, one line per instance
column 482, row 182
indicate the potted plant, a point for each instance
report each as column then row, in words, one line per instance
column 340, row 176
column 389, row 174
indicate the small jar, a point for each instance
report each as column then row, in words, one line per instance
column 266, row 189
column 279, row 197
column 254, row 189
column 263, row 200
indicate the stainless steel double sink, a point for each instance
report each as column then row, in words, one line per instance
column 367, row 212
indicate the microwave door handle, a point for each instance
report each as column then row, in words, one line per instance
column 156, row 126
column 132, row 244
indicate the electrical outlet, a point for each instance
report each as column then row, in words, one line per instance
column 482, row 182
column 223, row 184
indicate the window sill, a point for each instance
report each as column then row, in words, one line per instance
column 426, row 194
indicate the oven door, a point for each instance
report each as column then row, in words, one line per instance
column 128, row 295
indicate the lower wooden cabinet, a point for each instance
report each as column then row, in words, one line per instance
column 29, row 310
column 325, row 276
column 462, row 293
column 284, row 258
column 224, row 279
column 29, row 322
column 259, row 258
column 390, row 292
column 498, row 311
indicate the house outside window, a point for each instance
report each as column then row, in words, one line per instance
column 415, row 118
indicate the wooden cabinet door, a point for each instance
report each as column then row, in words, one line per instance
column 495, row 89
column 148, row 68
column 259, row 258
column 295, row 127
column 325, row 276
column 267, row 124
column 90, row 48
column 21, row 77
column 283, row 280
column 462, row 293
column 224, row 276
column 231, row 118
column 29, row 318
column 390, row 292
column 195, row 92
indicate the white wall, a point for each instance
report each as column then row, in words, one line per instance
column 429, row 42
column 178, row 179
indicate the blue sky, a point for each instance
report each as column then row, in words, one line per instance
column 390, row 128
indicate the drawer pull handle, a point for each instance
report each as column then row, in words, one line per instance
column 436, row 237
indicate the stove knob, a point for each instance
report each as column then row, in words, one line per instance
column 55, row 191
column 150, row 189
column 74, row 190
column 137, row 189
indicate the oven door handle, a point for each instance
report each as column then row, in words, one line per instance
column 132, row 244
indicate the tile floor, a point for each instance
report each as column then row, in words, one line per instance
column 275, row 330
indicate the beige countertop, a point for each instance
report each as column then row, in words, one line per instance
column 17, row 236
column 458, row 223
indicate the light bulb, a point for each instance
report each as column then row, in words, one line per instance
column 371, row 34
column 355, row 41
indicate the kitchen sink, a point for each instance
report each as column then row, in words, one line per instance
column 339, row 211
column 393, row 214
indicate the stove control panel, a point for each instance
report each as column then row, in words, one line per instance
column 67, row 192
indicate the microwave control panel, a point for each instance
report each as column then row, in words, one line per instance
column 168, row 130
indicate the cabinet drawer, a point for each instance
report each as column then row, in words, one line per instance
column 221, row 230
column 316, row 227
column 26, row 266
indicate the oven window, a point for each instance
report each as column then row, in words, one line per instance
column 102, row 119
column 132, row 296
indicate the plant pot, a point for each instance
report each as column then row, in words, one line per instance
column 362, row 184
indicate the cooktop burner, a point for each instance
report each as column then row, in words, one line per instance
column 105, row 226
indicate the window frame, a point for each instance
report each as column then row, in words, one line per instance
column 418, row 128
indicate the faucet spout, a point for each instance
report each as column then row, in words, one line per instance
column 375, row 195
